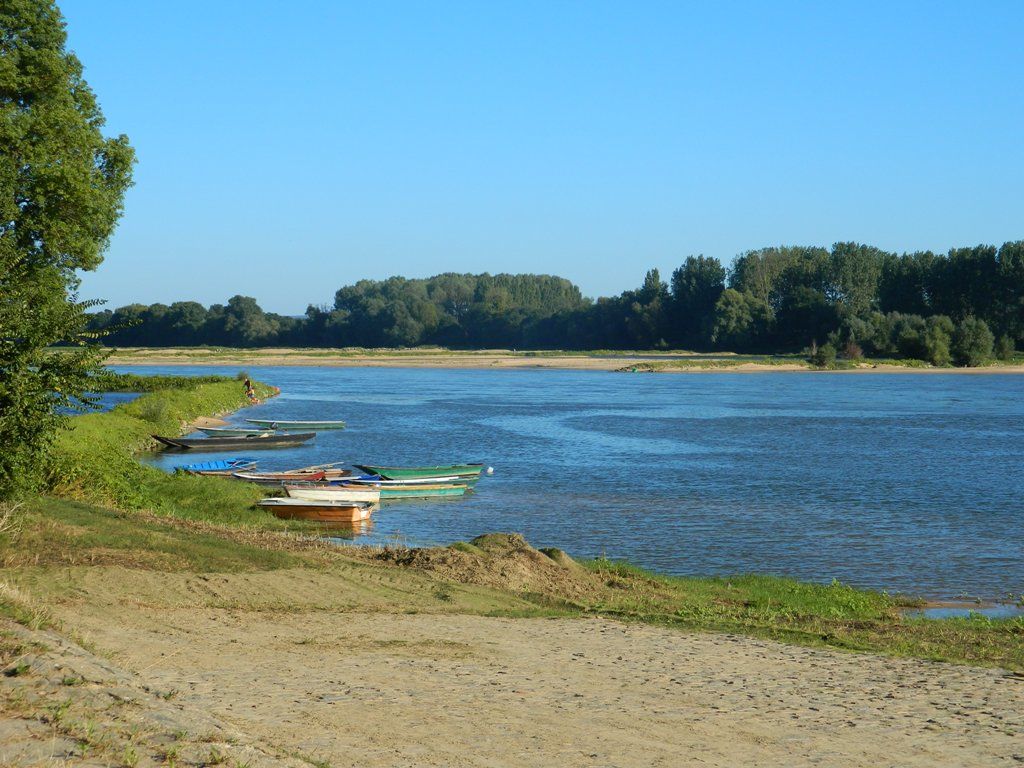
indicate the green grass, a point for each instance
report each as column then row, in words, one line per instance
column 110, row 381
column 58, row 532
column 833, row 615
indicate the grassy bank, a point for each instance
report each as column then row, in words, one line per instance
column 95, row 458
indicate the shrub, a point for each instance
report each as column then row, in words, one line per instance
column 823, row 356
column 1005, row 348
column 852, row 350
column 938, row 336
column 972, row 342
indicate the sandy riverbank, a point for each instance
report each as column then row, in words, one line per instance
column 351, row 687
column 682, row 362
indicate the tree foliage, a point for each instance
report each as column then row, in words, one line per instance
column 783, row 299
column 62, row 184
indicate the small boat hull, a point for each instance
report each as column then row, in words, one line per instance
column 333, row 493
column 420, row 491
column 234, row 443
column 219, row 468
column 318, row 511
column 235, row 431
column 462, row 471
column 296, row 426
column 294, row 476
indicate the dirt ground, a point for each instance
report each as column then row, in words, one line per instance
column 351, row 687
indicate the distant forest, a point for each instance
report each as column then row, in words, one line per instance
column 955, row 308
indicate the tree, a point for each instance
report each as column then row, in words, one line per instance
column 740, row 321
column 855, row 273
column 645, row 318
column 62, row 185
column 696, row 286
column 972, row 342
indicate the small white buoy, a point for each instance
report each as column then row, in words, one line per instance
column 490, row 470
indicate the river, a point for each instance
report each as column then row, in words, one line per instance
column 907, row 482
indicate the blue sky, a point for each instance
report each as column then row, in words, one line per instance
column 286, row 149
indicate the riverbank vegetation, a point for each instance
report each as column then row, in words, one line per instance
column 94, row 459
column 964, row 308
column 62, row 184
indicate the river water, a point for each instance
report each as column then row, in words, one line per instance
column 910, row 483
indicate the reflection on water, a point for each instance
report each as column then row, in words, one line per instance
column 998, row 611
column 909, row 483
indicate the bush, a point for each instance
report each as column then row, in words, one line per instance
column 938, row 336
column 972, row 343
column 1005, row 348
column 823, row 356
column 852, row 350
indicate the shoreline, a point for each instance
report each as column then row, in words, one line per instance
column 642, row 362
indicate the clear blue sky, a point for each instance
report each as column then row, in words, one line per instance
column 286, row 149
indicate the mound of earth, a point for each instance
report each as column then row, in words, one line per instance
column 503, row 561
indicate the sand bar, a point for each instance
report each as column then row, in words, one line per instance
column 502, row 359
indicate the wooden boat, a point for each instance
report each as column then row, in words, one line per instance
column 286, row 425
column 220, row 467
column 464, row 471
column 318, row 511
column 234, row 431
column 321, row 492
column 377, row 480
column 234, row 443
column 277, row 478
column 420, row 491
column 316, row 473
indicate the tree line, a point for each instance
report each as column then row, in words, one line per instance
column 960, row 307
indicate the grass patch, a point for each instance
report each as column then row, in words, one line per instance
column 56, row 532
column 834, row 615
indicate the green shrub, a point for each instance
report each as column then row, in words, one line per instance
column 972, row 343
column 938, row 337
column 823, row 356
column 1005, row 348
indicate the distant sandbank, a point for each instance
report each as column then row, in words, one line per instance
column 641, row 362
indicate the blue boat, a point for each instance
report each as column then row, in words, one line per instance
column 218, row 467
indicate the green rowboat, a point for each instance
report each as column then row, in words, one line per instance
column 423, row 491
column 465, row 472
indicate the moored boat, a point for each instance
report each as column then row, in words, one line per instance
column 233, row 443
column 291, row 425
column 318, row 492
column 219, row 467
column 316, row 473
column 234, row 431
column 377, row 480
column 420, row 491
column 464, row 471
column 318, row 511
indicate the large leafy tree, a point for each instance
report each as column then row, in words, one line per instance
column 62, row 184
column 696, row 287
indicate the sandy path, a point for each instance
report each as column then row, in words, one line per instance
column 373, row 689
